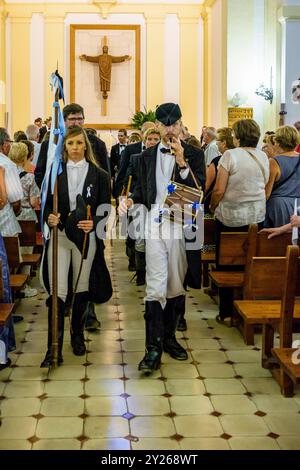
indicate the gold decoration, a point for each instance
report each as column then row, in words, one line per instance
column 235, row 114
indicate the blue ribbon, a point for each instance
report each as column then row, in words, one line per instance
column 171, row 188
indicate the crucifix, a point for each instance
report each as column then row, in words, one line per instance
column 105, row 62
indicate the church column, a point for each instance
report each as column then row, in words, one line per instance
column 155, row 25
column 206, row 15
column 54, row 53
column 2, row 64
column 289, row 17
column 20, row 71
column 190, row 54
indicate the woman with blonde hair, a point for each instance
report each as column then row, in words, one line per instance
column 81, row 184
column 283, row 186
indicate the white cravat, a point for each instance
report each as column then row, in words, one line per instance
column 77, row 173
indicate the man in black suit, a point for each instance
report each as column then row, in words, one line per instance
column 116, row 152
column 73, row 115
column 167, row 261
column 131, row 149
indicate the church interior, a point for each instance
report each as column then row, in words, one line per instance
column 222, row 61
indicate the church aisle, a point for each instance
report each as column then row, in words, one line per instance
column 220, row 398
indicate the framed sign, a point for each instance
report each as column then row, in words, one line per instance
column 235, row 114
column 105, row 73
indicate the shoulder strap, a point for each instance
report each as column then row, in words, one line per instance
column 192, row 175
column 276, row 186
column 258, row 163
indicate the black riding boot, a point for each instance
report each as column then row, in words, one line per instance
column 154, row 337
column 47, row 362
column 180, row 307
column 78, row 319
column 171, row 314
column 91, row 322
column 130, row 252
column 140, row 263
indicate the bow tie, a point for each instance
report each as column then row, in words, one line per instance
column 79, row 165
column 166, row 150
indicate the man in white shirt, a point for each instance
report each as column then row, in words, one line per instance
column 211, row 151
column 9, row 225
column 33, row 134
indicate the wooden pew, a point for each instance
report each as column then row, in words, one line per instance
column 259, row 246
column 266, row 289
column 28, row 238
column 286, row 356
column 208, row 257
column 17, row 281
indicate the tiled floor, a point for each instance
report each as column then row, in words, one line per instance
column 220, row 398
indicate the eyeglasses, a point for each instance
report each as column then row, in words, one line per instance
column 76, row 119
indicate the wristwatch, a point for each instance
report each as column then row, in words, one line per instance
column 182, row 167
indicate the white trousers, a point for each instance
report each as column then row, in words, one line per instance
column 166, row 263
column 68, row 251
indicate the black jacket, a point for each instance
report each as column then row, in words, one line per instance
column 125, row 159
column 99, row 150
column 145, row 189
column 115, row 158
column 145, row 193
column 98, row 181
column 133, row 170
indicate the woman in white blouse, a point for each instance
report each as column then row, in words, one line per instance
column 80, row 175
column 239, row 197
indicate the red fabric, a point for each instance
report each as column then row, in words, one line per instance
column 298, row 149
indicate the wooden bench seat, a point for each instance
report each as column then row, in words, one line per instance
column 5, row 312
column 262, row 311
column 232, row 279
column 289, row 369
column 18, row 281
column 31, row 259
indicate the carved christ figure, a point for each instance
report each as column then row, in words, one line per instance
column 105, row 61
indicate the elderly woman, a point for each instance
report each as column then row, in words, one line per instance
column 283, row 186
column 239, row 198
column 224, row 142
column 269, row 145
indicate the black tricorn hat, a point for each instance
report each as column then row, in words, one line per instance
column 73, row 233
column 168, row 113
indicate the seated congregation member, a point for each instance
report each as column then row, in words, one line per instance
column 166, row 257
column 239, row 197
column 151, row 138
column 224, row 142
column 81, row 175
column 283, row 186
column 73, row 115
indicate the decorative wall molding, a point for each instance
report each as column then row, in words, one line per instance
column 105, row 6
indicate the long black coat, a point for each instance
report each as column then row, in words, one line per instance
column 98, row 181
column 99, row 150
column 115, row 158
column 125, row 159
column 145, row 193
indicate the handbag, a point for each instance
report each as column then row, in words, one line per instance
column 183, row 202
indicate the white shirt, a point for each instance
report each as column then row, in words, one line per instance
column 9, row 225
column 211, row 152
column 77, row 173
column 244, row 201
column 37, row 148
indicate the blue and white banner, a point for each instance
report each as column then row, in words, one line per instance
column 54, row 155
